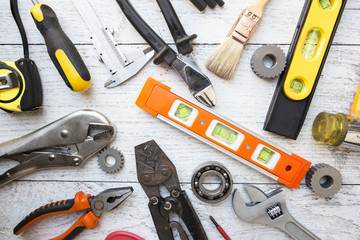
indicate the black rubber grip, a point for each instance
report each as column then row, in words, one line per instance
column 164, row 52
column 32, row 97
column 199, row 4
column 74, row 233
column 211, row 3
column 182, row 40
column 56, row 39
column 60, row 206
column 220, row 2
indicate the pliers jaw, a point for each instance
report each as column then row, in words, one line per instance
column 69, row 141
column 109, row 200
column 154, row 170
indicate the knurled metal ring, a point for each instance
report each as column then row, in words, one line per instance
column 116, row 154
column 211, row 195
column 277, row 57
column 324, row 180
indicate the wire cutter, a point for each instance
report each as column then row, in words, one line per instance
column 155, row 170
column 69, row 141
column 94, row 205
column 184, row 64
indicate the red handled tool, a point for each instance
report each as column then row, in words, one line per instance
column 219, row 228
column 94, row 205
column 122, row 235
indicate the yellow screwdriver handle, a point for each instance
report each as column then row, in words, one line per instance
column 62, row 51
column 355, row 109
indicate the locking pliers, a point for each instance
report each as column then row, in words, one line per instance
column 154, row 170
column 69, row 141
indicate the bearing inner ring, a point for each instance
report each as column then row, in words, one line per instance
column 211, row 195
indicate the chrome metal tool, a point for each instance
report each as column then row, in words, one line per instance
column 69, row 141
column 269, row 209
column 121, row 67
column 183, row 63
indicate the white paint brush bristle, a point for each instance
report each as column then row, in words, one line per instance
column 224, row 60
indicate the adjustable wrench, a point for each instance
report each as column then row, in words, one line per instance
column 269, row 209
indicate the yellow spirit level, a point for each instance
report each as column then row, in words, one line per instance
column 222, row 134
column 306, row 58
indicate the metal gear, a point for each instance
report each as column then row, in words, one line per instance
column 116, row 154
column 278, row 61
column 324, row 180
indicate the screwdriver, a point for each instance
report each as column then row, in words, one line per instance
column 62, row 51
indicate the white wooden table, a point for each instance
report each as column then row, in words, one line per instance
column 245, row 99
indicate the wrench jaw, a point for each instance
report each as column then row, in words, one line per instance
column 271, row 211
column 242, row 209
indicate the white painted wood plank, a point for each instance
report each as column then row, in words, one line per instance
column 135, row 126
column 333, row 219
column 278, row 24
column 247, row 105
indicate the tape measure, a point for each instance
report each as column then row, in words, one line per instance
column 222, row 134
column 306, row 58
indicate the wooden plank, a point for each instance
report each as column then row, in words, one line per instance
column 319, row 215
column 245, row 99
column 280, row 19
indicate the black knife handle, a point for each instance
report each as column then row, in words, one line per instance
column 182, row 40
column 199, row 4
column 211, row 3
column 164, row 52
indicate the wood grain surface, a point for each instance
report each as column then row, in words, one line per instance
column 244, row 99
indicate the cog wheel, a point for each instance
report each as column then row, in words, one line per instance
column 111, row 167
column 324, row 180
column 277, row 57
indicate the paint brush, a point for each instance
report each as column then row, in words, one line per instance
column 224, row 60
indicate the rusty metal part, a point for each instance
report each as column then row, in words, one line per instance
column 155, row 170
column 244, row 27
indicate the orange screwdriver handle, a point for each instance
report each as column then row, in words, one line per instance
column 79, row 203
column 87, row 220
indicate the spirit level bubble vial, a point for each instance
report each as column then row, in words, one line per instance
column 306, row 57
column 222, row 134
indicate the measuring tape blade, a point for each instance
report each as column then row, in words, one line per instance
column 222, row 134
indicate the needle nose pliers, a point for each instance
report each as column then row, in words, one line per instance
column 94, row 206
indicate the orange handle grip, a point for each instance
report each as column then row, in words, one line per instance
column 87, row 220
column 80, row 202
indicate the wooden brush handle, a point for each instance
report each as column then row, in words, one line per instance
column 258, row 7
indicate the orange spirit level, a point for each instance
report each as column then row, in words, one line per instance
column 222, row 134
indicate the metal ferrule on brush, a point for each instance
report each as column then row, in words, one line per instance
column 244, row 26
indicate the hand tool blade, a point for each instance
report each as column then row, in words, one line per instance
column 122, row 74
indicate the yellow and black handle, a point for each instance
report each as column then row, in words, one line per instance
column 27, row 95
column 62, row 51
column 79, row 203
